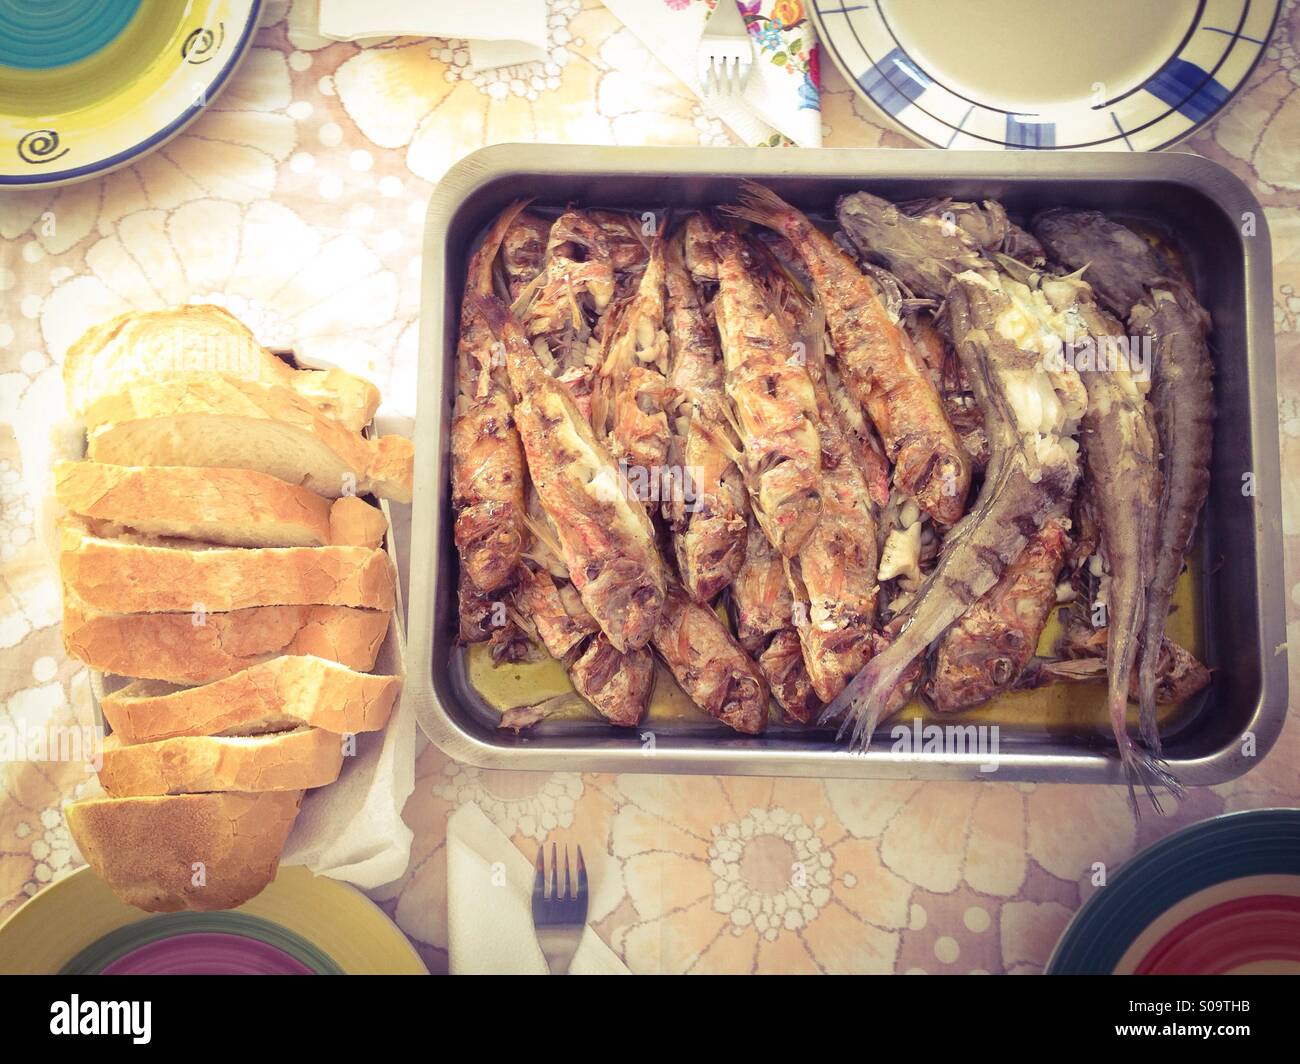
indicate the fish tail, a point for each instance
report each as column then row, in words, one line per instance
column 762, row 206
column 1145, row 768
column 1148, row 663
column 862, row 703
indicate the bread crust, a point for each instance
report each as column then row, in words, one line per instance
column 123, row 577
column 194, row 341
column 291, row 689
column 185, row 851
column 194, row 648
column 217, row 421
column 278, row 761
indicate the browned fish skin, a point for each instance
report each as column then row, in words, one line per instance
column 708, row 528
column 628, row 404
column 523, row 251
column 763, row 609
column 619, row 685
column 773, row 400
column 1179, row 675
column 487, row 468
column 953, row 387
column 833, row 577
column 983, row 654
column 628, row 247
column 605, row 535
column 1030, row 413
column 709, row 664
column 878, row 363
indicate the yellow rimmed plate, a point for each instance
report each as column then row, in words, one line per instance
column 87, row 86
column 330, row 921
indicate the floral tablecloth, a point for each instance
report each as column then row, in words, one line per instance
column 297, row 201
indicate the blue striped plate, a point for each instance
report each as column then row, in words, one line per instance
column 1048, row 74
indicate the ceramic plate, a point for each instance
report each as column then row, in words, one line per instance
column 89, row 85
column 301, row 924
column 1124, row 75
column 1218, row 898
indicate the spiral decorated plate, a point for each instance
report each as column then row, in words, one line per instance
column 1046, row 74
column 87, row 86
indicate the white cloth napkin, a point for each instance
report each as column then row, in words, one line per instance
column 783, row 92
column 489, row 907
column 500, row 32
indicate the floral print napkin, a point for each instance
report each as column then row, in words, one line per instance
column 782, row 102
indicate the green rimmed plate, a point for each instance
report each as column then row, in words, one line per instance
column 300, row 922
column 87, row 86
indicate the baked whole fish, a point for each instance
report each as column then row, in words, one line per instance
column 878, row 363
column 763, row 612
column 708, row 663
column 605, row 536
column 1004, row 337
column 1137, row 283
column 487, row 461
column 984, row 653
column 772, row 397
column 704, row 498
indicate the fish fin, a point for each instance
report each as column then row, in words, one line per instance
column 1141, row 766
column 758, row 204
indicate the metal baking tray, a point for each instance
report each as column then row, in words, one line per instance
column 1238, row 598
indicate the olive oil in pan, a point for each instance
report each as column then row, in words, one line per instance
column 1062, row 707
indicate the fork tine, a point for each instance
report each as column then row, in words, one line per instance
column 568, row 888
column 582, row 875
column 539, row 880
column 555, row 868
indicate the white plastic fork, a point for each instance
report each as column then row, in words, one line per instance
column 726, row 54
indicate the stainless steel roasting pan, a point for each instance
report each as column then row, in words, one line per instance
column 1239, row 596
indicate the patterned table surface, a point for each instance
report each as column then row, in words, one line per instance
column 297, row 201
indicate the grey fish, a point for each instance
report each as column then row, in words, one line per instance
column 1137, row 283
column 1118, row 263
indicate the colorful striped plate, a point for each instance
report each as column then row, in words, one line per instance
column 301, row 924
column 1218, row 898
column 1046, row 74
column 87, row 86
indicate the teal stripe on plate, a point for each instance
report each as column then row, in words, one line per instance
column 42, row 34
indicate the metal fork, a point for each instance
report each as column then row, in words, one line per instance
column 559, row 919
column 726, row 54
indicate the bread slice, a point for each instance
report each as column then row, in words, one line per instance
column 354, row 522
column 280, row 693
column 121, row 576
column 194, row 648
column 233, row 424
column 278, row 761
column 185, row 851
column 233, row 507
column 198, row 340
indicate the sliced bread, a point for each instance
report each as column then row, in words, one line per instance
column 195, row 648
column 185, row 851
column 198, row 340
column 234, row 424
column 120, row 576
column 279, row 693
column 278, row 761
column 234, row 507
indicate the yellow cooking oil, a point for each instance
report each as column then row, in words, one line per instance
column 1057, row 707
